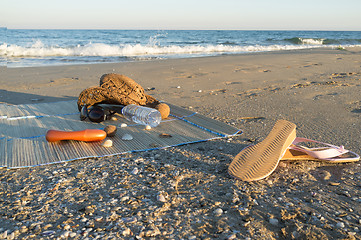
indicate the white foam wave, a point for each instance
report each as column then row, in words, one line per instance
column 38, row 49
column 312, row 41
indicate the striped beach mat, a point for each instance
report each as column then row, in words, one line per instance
column 23, row 129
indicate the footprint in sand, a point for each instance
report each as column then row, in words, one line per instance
column 312, row 64
column 243, row 70
column 63, row 80
column 230, row 83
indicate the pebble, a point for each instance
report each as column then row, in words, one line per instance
column 123, row 125
column 327, row 175
column 110, row 130
column 139, row 160
column 125, row 198
column 340, row 225
column 126, row 232
column 89, row 209
column 161, row 198
column 148, row 127
column 218, row 211
column 11, row 236
column 282, row 164
column 4, row 234
column 129, row 219
column 37, row 228
column 47, row 226
column 65, row 234
column 295, row 234
column 178, row 86
column 107, row 143
column 135, row 171
column 243, row 209
column 273, row 221
column 66, row 227
column 23, row 229
column 127, row 137
column 232, row 236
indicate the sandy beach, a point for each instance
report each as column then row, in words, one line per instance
column 186, row 192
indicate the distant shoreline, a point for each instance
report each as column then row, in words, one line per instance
column 31, row 47
column 172, row 29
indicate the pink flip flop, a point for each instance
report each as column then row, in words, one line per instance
column 329, row 152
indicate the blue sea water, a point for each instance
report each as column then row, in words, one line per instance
column 22, row 48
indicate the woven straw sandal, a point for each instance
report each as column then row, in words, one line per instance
column 116, row 89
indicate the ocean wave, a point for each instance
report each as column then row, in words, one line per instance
column 322, row 41
column 307, row 41
column 38, row 49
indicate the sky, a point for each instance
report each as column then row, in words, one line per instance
column 182, row 14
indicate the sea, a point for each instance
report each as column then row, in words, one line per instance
column 40, row 47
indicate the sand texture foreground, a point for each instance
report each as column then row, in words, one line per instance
column 186, row 192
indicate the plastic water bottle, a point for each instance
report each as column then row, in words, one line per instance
column 142, row 115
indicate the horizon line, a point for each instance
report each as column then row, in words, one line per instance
column 182, row 29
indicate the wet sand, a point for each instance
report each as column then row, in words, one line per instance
column 186, row 192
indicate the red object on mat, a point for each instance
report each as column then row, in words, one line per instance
column 87, row 135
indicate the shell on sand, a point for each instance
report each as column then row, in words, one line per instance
column 107, row 143
column 127, row 137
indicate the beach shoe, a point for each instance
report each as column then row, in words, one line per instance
column 328, row 152
column 126, row 88
column 259, row 161
column 130, row 91
column 121, row 90
column 90, row 96
column 95, row 95
column 115, row 89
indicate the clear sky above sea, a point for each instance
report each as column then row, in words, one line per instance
column 184, row 14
